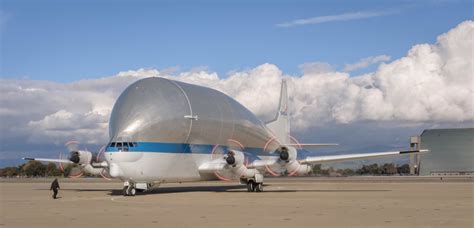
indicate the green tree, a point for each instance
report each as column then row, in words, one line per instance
column 52, row 170
column 404, row 169
column 317, row 169
column 372, row 169
column 389, row 169
column 348, row 172
column 34, row 168
column 67, row 170
column 9, row 172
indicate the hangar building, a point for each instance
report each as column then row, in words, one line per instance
column 451, row 152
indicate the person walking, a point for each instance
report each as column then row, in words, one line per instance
column 55, row 187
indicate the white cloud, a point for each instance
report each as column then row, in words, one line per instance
column 331, row 18
column 316, row 67
column 140, row 73
column 365, row 62
column 433, row 83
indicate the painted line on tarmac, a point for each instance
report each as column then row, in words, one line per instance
column 123, row 199
column 72, row 199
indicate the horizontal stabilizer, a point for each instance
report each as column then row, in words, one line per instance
column 49, row 160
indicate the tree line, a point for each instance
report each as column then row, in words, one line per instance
column 35, row 169
column 386, row 169
column 38, row 169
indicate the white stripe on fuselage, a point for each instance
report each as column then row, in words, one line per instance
column 161, row 167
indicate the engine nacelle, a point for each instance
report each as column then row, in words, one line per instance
column 236, row 159
column 296, row 169
column 91, row 170
column 287, row 154
column 81, row 157
column 288, row 158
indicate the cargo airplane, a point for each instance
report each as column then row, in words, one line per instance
column 163, row 130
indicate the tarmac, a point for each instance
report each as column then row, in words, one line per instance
column 285, row 202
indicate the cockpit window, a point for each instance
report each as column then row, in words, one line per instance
column 123, row 145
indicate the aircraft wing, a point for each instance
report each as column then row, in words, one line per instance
column 362, row 156
column 49, row 160
column 220, row 164
column 214, row 165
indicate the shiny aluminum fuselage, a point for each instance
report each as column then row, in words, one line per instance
column 176, row 127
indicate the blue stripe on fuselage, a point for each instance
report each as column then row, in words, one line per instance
column 160, row 147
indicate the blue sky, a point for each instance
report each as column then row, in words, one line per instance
column 54, row 52
column 71, row 40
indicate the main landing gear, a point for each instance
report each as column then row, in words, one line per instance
column 254, row 187
column 129, row 190
column 254, row 184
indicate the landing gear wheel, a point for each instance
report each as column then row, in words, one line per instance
column 258, row 187
column 124, row 191
column 131, row 190
column 250, row 186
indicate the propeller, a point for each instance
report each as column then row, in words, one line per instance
column 76, row 169
column 72, row 146
column 71, row 170
column 229, row 158
column 219, row 152
column 278, row 170
column 99, row 158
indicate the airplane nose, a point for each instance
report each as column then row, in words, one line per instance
column 114, row 170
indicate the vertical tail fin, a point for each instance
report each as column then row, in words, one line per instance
column 280, row 126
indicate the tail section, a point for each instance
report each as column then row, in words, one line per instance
column 280, row 126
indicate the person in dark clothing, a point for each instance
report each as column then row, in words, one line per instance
column 55, row 187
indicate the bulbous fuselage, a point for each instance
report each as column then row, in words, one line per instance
column 173, row 119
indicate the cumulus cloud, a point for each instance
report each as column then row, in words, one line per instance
column 433, row 83
column 316, row 67
column 331, row 18
column 365, row 62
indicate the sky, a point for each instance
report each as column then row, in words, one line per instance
column 65, row 41
column 365, row 74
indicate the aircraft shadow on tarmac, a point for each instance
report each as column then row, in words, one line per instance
column 227, row 189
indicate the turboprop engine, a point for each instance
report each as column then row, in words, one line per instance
column 81, row 157
column 236, row 163
column 288, row 160
column 87, row 161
